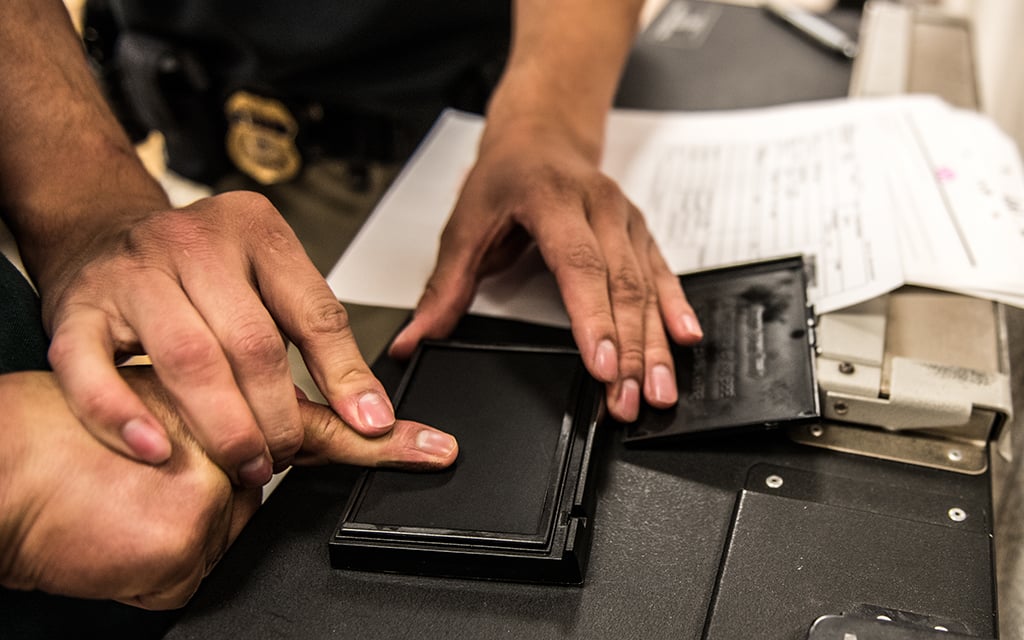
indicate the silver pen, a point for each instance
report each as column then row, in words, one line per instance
column 814, row 27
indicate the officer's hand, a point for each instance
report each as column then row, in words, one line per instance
column 81, row 520
column 207, row 292
column 619, row 292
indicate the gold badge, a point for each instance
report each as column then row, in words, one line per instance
column 261, row 138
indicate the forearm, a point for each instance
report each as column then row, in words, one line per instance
column 66, row 165
column 564, row 66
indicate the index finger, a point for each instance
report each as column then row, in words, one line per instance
column 573, row 254
column 307, row 311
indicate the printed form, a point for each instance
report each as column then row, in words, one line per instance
column 721, row 189
column 961, row 203
column 874, row 193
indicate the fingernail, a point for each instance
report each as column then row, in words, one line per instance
column 256, row 472
column 375, row 411
column 663, row 385
column 629, row 398
column 606, row 362
column 692, row 326
column 148, row 441
column 435, row 443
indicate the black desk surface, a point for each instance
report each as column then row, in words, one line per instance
column 661, row 527
column 698, row 55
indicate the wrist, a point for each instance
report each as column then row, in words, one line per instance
column 96, row 179
column 527, row 109
column 55, row 228
column 564, row 66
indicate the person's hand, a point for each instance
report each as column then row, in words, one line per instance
column 206, row 292
column 81, row 520
column 618, row 290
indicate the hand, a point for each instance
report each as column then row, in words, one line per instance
column 81, row 520
column 206, row 291
column 618, row 290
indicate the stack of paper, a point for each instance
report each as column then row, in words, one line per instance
column 877, row 193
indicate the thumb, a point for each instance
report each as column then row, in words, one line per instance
column 446, row 297
column 409, row 445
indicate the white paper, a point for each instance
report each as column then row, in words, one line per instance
column 388, row 262
column 969, row 209
column 875, row 192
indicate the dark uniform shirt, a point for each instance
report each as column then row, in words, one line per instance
column 364, row 79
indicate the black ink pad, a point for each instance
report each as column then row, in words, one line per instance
column 516, row 505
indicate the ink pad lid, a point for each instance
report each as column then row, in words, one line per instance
column 754, row 368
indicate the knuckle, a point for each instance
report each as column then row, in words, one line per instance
column 252, row 204
column 323, row 427
column 651, row 299
column 628, row 287
column 604, row 189
column 256, row 344
column 175, row 228
column 286, row 443
column 631, row 358
column 234, row 444
column 263, row 218
column 61, row 349
column 260, row 220
column 659, row 354
column 547, row 181
column 326, row 316
column 194, row 230
column 188, row 354
column 278, row 240
column 544, row 186
column 586, row 259
column 95, row 403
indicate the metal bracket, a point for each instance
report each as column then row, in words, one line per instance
column 966, row 454
column 921, row 395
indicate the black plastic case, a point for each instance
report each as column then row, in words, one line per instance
column 517, row 505
column 754, row 369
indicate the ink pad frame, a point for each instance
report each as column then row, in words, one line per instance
column 518, row 503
